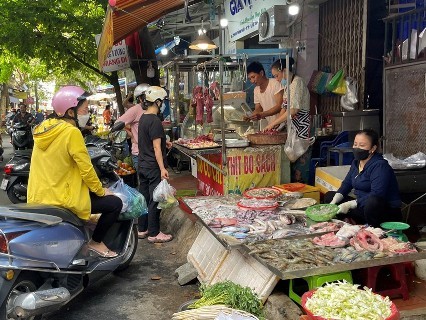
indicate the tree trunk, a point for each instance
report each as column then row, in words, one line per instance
column 114, row 81
column 4, row 100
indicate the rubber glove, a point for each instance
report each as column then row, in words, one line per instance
column 346, row 206
column 337, row 198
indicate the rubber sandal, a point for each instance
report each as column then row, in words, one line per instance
column 105, row 254
column 142, row 234
column 155, row 239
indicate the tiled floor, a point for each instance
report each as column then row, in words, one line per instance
column 417, row 287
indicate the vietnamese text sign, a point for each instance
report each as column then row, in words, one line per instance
column 118, row 57
column 243, row 16
column 210, row 180
column 259, row 167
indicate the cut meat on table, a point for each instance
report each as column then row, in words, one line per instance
column 329, row 240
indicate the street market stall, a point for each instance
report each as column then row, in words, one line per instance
column 283, row 241
column 215, row 137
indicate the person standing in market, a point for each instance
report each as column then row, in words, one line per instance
column 107, row 115
column 39, row 117
column 268, row 96
column 152, row 163
column 374, row 183
column 23, row 117
column 299, row 113
column 131, row 120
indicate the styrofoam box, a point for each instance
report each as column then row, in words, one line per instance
column 206, row 255
column 247, row 272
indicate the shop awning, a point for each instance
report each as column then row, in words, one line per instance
column 128, row 16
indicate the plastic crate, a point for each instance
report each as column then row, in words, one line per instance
column 247, row 272
column 206, row 255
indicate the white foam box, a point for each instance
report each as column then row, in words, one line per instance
column 206, row 255
column 247, row 272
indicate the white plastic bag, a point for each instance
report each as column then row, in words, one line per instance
column 119, row 190
column 350, row 99
column 294, row 146
column 164, row 194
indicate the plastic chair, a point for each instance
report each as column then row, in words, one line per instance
column 318, row 281
column 321, row 161
column 346, row 149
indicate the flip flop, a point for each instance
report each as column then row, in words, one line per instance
column 142, row 234
column 160, row 240
column 105, row 254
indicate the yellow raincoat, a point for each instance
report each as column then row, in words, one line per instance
column 61, row 172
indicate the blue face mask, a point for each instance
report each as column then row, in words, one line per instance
column 284, row 82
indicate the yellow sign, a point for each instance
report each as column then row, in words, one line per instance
column 20, row 95
column 255, row 168
column 107, row 39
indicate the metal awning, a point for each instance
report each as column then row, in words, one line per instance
column 128, row 16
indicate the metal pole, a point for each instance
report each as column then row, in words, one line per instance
column 222, row 112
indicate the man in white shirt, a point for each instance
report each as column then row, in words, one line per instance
column 268, row 97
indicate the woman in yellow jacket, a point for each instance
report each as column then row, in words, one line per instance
column 61, row 171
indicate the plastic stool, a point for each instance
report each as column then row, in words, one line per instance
column 318, row 281
column 398, row 272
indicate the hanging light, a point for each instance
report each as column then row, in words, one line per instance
column 164, row 51
column 293, row 9
column 202, row 42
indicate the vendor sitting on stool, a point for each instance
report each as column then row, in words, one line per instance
column 374, row 183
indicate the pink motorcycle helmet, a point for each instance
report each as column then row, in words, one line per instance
column 67, row 97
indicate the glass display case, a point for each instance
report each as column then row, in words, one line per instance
column 235, row 108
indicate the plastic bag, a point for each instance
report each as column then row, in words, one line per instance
column 295, row 147
column 164, row 195
column 335, row 81
column 134, row 204
column 341, row 88
column 119, row 190
column 415, row 161
column 349, row 100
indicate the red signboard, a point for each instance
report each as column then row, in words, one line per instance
column 210, row 180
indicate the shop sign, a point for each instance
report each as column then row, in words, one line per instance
column 105, row 42
column 210, row 180
column 253, row 169
column 243, row 16
column 118, row 57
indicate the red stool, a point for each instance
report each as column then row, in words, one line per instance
column 398, row 272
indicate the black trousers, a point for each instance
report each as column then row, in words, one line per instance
column 148, row 180
column 110, row 207
column 375, row 211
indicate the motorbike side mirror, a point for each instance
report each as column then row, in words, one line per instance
column 118, row 125
column 119, row 137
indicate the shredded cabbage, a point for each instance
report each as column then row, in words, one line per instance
column 342, row 300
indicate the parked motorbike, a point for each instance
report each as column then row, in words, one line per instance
column 17, row 170
column 22, row 137
column 44, row 258
column 16, row 173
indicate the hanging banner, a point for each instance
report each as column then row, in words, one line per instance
column 104, row 46
column 210, row 180
column 118, row 57
column 247, row 168
column 243, row 16
column 253, row 167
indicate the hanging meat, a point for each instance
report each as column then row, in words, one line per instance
column 208, row 103
column 214, row 87
column 198, row 101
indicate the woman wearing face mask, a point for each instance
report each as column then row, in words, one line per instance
column 299, row 112
column 299, row 98
column 374, row 183
column 83, row 117
column 62, row 173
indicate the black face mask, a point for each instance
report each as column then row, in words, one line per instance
column 361, row 154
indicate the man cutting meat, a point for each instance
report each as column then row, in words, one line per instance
column 268, row 97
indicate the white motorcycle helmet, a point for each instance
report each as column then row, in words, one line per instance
column 155, row 93
column 140, row 90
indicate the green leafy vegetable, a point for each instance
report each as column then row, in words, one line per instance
column 229, row 294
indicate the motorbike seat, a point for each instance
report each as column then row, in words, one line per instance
column 64, row 214
column 24, row 153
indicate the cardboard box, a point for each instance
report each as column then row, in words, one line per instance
column 330, row 178
column 308, row 192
